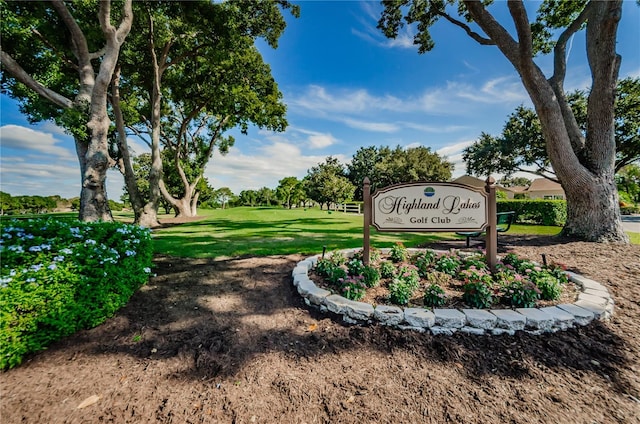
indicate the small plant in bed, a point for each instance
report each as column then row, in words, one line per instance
column 433, row 279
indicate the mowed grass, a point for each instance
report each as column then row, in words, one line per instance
column 274, row 231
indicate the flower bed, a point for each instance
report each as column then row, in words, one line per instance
column 430, row 279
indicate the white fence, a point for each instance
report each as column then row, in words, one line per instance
column 348, row 207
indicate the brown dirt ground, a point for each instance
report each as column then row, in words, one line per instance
column 230, row 341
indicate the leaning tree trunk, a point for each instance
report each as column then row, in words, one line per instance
column 585, row 165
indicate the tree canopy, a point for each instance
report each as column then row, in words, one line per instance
column 385, row 166
column 521, row 146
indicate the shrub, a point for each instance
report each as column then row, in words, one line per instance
column 400, row 292
column 521, row 293
column 336, row 274
column 324, row 267
column 409, row 274
column 434, row 296
column 543, row 212
column 387, row 269
column 337, row 258
column 371, row 276
column 398, row 253
column 423, row 262
column 355, row 267
column 58, row 277
column 448, row 263
column 478, row 294
column 550, row 288
column 352, row 287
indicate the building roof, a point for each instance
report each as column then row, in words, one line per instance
column 470, row 181
column 543, row 184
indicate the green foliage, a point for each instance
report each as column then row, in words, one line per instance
column 434, row 296
column 326, row 183
column 352, row 287
column 371, row 276
column 550, row 288
column 423, row 261
column 409, row 274
column 521, row 293
column 58, row 277
column 542, row 212
column 355, row 267
column 387, row 269
column 384, row 166
column 448, row 263
column 478, row 294
column 400, row 291
column 398, row 253
column 522, row 145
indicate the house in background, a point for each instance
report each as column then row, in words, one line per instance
column 540, row 188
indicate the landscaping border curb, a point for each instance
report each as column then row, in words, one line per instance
column 594, row 302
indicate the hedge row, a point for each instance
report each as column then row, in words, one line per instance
column 59, row 277
column 543, row 212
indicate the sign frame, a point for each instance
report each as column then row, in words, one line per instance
column 489, row 227
column 394, row 197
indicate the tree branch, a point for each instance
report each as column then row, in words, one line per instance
column 61, row 55
column 523, row 28
column 21, row 75
column 480, row 39
column 557, row 80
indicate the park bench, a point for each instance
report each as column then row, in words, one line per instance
column 503, row 223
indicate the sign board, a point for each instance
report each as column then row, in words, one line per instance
column 430, row 207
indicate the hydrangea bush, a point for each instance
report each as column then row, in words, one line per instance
column 516, row 283
column 58, row 277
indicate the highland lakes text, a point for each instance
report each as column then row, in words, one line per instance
column 449, row 205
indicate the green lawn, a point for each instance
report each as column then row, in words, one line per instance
column 273, row 231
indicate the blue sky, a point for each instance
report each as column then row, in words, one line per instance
column 346, row 87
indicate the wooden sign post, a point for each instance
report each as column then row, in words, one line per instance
column 366, row 190
column 491, row 242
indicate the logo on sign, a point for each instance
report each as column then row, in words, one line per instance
column 429, row 191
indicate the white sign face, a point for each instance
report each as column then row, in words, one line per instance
column 430, row 207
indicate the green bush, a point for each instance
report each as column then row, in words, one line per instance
column 542, row 212
column 371, row 276
column 400, row 291
column 387, row 269
column 58, row 277
column 434, row 296
column 398, row 253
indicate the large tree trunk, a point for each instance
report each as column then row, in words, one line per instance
column 585, row 166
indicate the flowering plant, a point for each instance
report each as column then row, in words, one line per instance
column 434, row 296
column 352, row 288
column 58, row 277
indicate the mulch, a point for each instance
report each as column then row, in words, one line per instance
column 230, row 341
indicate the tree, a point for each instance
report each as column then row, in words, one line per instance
column 248, row 197
column 385, row 167
column 628, row 180
column 514, row 182
column 521, row 146
column 196, row 57
column 327, row 183
column 290, row 191
column 47, row 53
column 265, row 196
column 583, row 162
column 223, row 196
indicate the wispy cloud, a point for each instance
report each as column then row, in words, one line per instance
column 369, row 32
column 371, row 126
column 33, row 141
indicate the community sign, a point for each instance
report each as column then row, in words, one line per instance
column 430, row 207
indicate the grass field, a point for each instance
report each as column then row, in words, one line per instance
column 273, row 231
column 261, row 231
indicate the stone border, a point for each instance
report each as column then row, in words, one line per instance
column 594, row 302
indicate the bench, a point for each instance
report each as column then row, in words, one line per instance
column 503, row 223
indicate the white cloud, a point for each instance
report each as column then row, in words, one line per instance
column 371, row 34
column 371, row 126
column 264, row 168
column 315, row 139
column 27, row 139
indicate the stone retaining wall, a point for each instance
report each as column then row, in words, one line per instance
column 594, row 302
